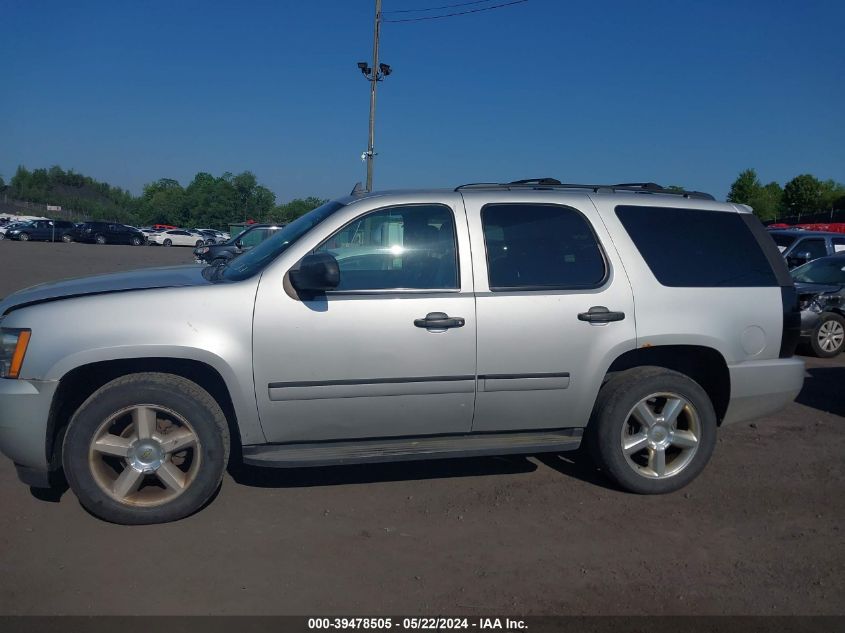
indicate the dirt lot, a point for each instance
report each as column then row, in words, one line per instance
column 758, row 533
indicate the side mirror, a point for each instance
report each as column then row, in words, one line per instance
column 317, row 272
column 796, row 259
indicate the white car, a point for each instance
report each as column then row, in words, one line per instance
column 177, row 237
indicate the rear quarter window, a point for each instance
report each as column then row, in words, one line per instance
column 696, row 248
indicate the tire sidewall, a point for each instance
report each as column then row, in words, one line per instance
column 23, row 237
column 618, row 397
column 121, row 394
column 814, row 338
column 100, row 239
column 168, row 242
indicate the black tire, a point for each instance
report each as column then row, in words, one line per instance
column 100, row 239
column 616, row 400
column 831, row 337
column 2, row 236
column 199, row 243
column 67, row 239
column 174, row 393
column 23, row 237
column 168, row 242
column 136, row 241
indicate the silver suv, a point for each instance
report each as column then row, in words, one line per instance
column 527, row 317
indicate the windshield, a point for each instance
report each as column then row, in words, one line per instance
column 829, row 270
column 257, row 258
column 783, row 241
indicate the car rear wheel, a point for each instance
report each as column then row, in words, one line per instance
column 67, row 239
column 199, row 243
column 2, row 236
column 828, row 338
column 146, row 448
column 100, row 239
column 23, row 237
column 653, row 430
column 136, row 241
column 168, row 242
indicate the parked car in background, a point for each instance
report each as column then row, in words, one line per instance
column 106, row 233
column 517, row 318
column 213, row 236
column 177, row 237
column 216, row 254
column 821, row 295
column 799, row 246
column 8, row 227
column 41, row 230
column 164, row 227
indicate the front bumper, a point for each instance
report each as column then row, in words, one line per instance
column 759, row 388
column 24, row 414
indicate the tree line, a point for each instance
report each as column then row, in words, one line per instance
column 803, row 194
column 207, row 201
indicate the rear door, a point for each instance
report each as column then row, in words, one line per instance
column 553, row 305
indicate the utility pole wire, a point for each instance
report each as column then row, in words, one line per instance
column 449, row 15
column 447, row 6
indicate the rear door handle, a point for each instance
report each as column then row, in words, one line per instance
column 439, row 321
column 600, row 314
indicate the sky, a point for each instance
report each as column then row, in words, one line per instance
column 681, row 92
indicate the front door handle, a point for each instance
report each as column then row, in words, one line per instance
column 439, row 321
column 600, row 314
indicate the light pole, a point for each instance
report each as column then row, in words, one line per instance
column 373, row 74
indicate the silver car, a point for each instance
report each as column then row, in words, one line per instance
column 526, row 317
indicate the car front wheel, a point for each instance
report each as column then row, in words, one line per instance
column 146, row 448
column 67, row 239
column 137, row 241
column 828, row 338
column 100, row 239
column 168, row 242
column 653, row 430
column 23, row 237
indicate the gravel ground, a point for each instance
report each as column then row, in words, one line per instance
column 758, row 533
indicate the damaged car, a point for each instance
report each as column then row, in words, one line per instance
column 821, row 292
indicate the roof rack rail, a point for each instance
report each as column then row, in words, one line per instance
column 552, row 183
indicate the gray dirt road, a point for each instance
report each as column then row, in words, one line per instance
column 758, row 533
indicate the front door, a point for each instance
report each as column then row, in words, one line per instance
column 543, row 274
column 363, row 361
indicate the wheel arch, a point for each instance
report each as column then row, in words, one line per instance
column 79, row 383
column 704, row 365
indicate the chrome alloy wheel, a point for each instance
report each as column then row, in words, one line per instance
column 830, row 335
column 144, row 455
column 661, row 435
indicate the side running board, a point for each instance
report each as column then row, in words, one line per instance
column 411, row 448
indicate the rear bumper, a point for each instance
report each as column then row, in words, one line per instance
column 760, row 388
column 24, row 413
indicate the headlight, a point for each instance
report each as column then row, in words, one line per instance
column 13, row 344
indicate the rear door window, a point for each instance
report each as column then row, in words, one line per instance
column 540, row 246
column 695, row 248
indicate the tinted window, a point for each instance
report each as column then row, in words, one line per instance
column 400, row 247
column 782, row 240
column 255, row 237
column 540, row 246
column 829, row 270
column 815, row 247
column 695, row 248
column 838, row 244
